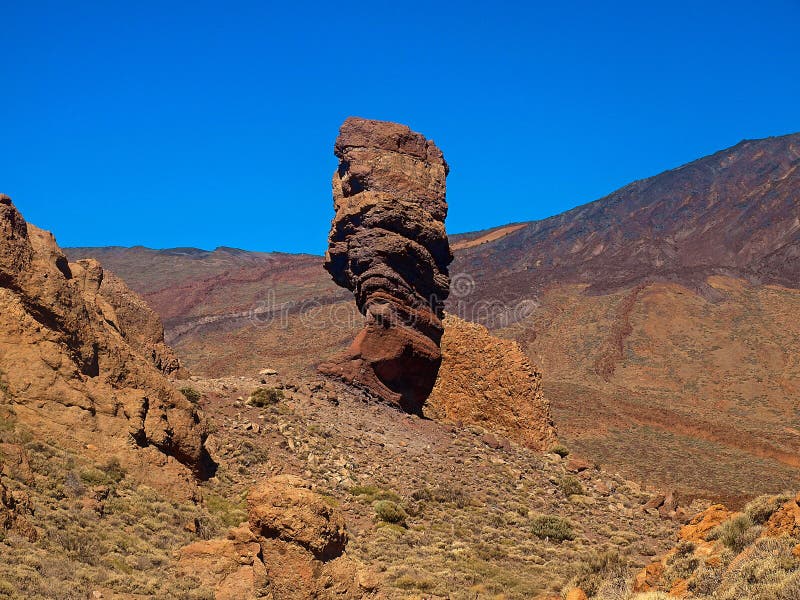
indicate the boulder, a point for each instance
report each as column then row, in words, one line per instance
column 388, row 245
column 233, row 566
column 785, row 521
column 285, row 508
column 291, row 548
column 489, row 382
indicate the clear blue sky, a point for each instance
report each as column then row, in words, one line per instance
column 210, row 123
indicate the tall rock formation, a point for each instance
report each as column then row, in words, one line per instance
column 388, row 245
column 73, row 368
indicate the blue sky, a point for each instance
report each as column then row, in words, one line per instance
column 209, row 123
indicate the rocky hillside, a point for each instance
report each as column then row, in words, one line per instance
column 74, row 369
column 113, row 483
column 662, row 317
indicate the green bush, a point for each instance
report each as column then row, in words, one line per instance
column 191, row 394
column 390, row 512
column 370, row 493
column 262, row 397
column 561, row 450
column 552, row 527
column 736, row 533
column 570, row 486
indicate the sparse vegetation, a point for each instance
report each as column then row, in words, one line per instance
column 390, row 512
column 262, row 397
column 599, row 570
column 571, row 486
column 762, row 508
column 561, row 450
column 191, row 394
column 552, row 527
column 736, row 533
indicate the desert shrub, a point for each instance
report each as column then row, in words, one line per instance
column 227, row 513
column 561, row 450
column 767, row 572
column 191, row 394
column 570, row 486
column 111, row 472
column 93, row 476
column 736, row 533
column 762, row 508
column 370, row 493
column 73, row 485
column 451, row 494
column 262, row 397
column 4, row 391
column 390, row 512
column 682, row 564
column 599, row 570
column 412, row 582
column 422, row 494
column 552, row 527
column 114, row 470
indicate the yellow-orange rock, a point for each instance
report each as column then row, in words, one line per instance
column 785, row 521
column 291, row 549
column 285, row 508
column 706, row 551
column 488, row 381
column 233, row 567
column 701, row 525
column 74, row 371
column 576, row 594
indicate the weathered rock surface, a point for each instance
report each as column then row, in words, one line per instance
column 73, row 368
column 489, row 382
column 285, row 508
column 233, row 567
column 15, row 513
column 785, row 521
column 291, row 548
column 388, row 245
column 141, row 326
column 696, row 540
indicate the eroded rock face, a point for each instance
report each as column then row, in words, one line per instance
column 292, row 547
column 489, row 382
column 285, row 508
column 74, row 369
column 388, row 245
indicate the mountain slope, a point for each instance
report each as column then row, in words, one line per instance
column 736, row 212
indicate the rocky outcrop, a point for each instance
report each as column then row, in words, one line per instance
column 15, row 512
column 388, row 245
column 285, row 508
column 140, row 325
column 696, row 547
column 292, row 547
column 489, row 382
column 74, row 369
column 728, row 554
